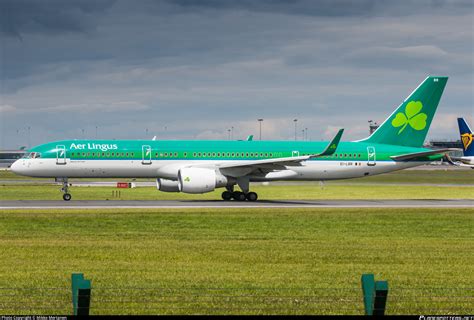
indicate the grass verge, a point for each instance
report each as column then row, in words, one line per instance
column 242, row 261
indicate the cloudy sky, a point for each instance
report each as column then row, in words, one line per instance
column 192, row 69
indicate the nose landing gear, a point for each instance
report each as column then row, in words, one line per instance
column 65, row 189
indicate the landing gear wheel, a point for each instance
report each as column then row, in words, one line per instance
column 67, row 197
column 239, row 196
column 252, row 196
column 226, row 195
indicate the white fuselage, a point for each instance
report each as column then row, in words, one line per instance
column 168, row 169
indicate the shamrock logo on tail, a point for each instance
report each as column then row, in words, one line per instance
column 412, row 117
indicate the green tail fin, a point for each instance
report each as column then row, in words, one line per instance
column 409, row 124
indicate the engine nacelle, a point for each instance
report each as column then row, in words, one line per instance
column 166, row 185
column 199, row 180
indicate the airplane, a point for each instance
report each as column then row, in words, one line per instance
column 467, row 160
column 202, row 166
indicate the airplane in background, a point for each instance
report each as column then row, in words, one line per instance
column 467, row 160
column 203, row 166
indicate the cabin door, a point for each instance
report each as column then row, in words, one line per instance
column 146, row 155
column 60, row 154
column 371, row 158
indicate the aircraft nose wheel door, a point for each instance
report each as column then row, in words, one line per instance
column 371, row 158
column 60, row 154
column 146, row 155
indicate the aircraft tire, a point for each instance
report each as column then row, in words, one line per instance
column 226, row 195
column 239, row 196
column 252, row 196
column 67, row 197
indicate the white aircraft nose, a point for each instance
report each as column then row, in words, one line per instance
column 17, row 166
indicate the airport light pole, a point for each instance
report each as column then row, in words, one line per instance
column 82, row 133
column 306, row 133
column 231, row 133
column 295, row 121
column 228, row 132
column 146, row 133
column 96, row 129
column 260, row 124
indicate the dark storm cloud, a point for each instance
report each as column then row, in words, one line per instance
column 50, row 17
column 327, row 8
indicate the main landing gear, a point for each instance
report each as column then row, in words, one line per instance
column 65, row 189
column 239, row 196
column 230, row 194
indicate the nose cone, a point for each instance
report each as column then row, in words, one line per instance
column 17, row 167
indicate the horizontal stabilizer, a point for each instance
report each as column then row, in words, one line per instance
column 411, row 156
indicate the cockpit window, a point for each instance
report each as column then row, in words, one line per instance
column 34, row 155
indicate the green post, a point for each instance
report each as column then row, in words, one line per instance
column 381, row 292
column 368, row 289
column 81, row 294
column 375, row 295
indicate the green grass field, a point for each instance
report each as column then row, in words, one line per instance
column 273, row 192
column 242, row 261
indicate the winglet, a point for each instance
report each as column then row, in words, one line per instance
column 250, row 137
column 332, row 146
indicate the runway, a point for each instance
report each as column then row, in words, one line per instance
column 170, row 204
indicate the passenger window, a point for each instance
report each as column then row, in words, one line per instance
column 199, row 154
column 176, row 154
column 185, row 154
column 194, row 154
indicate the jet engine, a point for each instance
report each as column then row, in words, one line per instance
column 200, row 180
column 166, row 185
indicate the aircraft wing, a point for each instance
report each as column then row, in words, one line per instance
column 277, row 163
column 414, row 155
column 290, row 161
